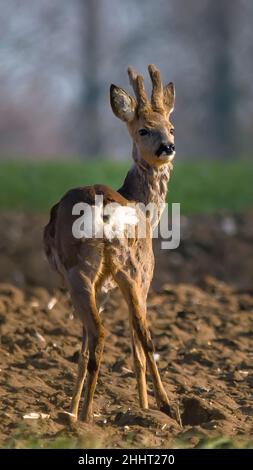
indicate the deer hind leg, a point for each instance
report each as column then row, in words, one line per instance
column 82, row 292
column 82, row 371
column 132, row 294
column 96, row 339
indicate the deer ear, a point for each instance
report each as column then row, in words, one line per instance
column 169, row 96
column 123, row 105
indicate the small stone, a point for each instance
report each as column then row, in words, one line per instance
column 36, row 416
column 40, row 338
column 52, row 302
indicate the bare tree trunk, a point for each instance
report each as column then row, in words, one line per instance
column 222, row 97
column 90, row 139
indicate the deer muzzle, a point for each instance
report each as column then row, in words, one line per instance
column 166, row 150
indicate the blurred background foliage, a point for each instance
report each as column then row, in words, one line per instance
column 57, row 60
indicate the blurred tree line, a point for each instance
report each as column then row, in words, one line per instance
column 57, row 60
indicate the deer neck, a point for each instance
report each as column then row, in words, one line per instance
column 145, row 183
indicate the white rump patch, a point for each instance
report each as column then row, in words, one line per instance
column 98, row 221
column 119, row 220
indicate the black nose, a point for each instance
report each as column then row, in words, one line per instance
column 171, row 148
column 166, row 148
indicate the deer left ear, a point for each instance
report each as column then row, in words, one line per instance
column 123, row 105
column 169, row 96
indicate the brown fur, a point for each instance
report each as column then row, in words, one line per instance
column 91, row 266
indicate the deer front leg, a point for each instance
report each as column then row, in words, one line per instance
column 139, row 362
column 131, row 292
column 148, row 347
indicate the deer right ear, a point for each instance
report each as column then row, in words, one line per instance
column 169, row 96
column 123, row 105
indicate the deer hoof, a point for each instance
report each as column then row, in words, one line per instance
column 67, row 418
column 165, row 408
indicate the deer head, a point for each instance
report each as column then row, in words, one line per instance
column 147, row 121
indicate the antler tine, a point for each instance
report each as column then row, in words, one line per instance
column 157, row 91
column 137, row 82
column 132, row 79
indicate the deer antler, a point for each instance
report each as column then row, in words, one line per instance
column 137, row 83
column 162, row 97
column 157, row 91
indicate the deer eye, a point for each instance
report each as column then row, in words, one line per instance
column 143, row 132
column 172, row 131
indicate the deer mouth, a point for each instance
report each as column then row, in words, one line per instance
column 167, row 158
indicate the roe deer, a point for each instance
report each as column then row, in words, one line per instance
column 90, row 266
